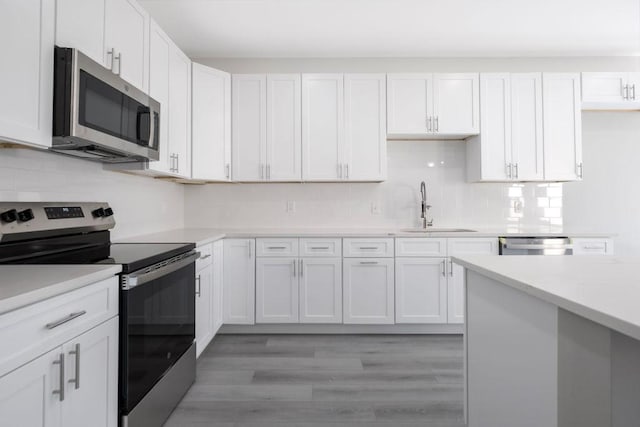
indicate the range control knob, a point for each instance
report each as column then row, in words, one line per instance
column 98, row 213
column 108, row 212
column 25, row 215
column 9, row 216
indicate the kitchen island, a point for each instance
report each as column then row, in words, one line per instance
column 552, row 341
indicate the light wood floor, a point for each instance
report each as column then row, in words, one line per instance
column 326, row 380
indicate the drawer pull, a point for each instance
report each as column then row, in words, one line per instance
column 65, row 319
column 368, row 262
column 369, row 247
column 319, row 247
column 60, row 391
column 205, row 256
column 277, row 247
column 594, row 248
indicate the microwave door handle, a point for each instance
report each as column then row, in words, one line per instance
column 139, row 123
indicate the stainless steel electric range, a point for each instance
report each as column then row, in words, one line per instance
column 157, row 296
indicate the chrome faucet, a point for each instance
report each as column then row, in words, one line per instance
column 424, row 206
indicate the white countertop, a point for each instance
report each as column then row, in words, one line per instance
column 202, row 236
column 21, row 285
column 604, row 289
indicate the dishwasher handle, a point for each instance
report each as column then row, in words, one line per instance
column 535, row 246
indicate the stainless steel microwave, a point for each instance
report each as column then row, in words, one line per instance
column 99, row 116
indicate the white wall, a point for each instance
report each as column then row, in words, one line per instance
column 608, row 198
column 141, row 205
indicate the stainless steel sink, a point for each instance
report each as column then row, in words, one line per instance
column 437, row 230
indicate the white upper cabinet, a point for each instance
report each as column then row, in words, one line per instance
column 456, row 104
column 433, row 106
column 26, row 78
column 211, row 124
column 526, row 127
column 365, row 149
column 611, row 91
column 284, row 137
column 249, row 94
column 562, row 126
column 322, row 127
column 114, row 33
column 180, row 113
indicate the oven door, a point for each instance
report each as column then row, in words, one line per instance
column 157, row 324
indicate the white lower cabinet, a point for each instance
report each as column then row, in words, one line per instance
column 74, row 384
column 239, row 281
column 204, row 308
column 368, row 291
column 277, row 290
column 218, row 281
column 320, row 290
column 421, row 290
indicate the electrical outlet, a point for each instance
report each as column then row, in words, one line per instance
column 291, row 207
column 517, row 206
column 375, row 209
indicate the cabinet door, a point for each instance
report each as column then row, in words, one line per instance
column 160, row 46
column 320, row 290
column 249, row 126
column 456, row 280
column 26, row 77
column 127, row 31
column 92, row 378
column 421, row 290
column 604, row 88
column 204, row 309
column 80, row 24
column 284, row 137
column 365, row 150
column 368, row 291
column 495, row 138
column 26, row 394
column 211, row 123
column 456, row 104
column 526, row 126
column 562, row 126
column 180, row 111
column 218, row 280
column 322, row 127
column 409, row 104
column 239, row 281
column 276, row 290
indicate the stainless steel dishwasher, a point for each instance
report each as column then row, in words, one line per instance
column 536, row 246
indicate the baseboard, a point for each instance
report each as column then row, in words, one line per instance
column 341, row 329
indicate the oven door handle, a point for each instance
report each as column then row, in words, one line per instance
column 525, row 246
column 134, row 279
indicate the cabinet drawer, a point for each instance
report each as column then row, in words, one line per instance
column 206, row 256
column 473, row 246
column 592, row 247
column 368, row 247
column 286, row 247
column 320, row 247
column 33, row 330
column 421, row 247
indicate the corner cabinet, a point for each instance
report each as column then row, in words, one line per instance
column 27, row 28
column 211, row 124
column 433, row 106
column 239, row 281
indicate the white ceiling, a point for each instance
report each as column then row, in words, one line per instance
column 400, row 28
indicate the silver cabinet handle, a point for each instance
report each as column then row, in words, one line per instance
column 118, row 57
column 294, row 268
column 250, row 253
column 346, row 166
column 339, row 166
column 76, row 353
column 199, row 283
column 60, row 391
column 368, row 247
column 205, row 256
column 277, row 247
column 595, row 248
column 301, row 267
column 444, row 268
column 451, row 267
column 319, row 247
column 437, row 124
column 509, row 170
column 633, row 92
column 110, row 54
column 66, row 319
column 579, row 170
column 626, row 92
column 368, row 262
column 515, row 170
column 269, row 171
column 429, row 123
column 227, row 168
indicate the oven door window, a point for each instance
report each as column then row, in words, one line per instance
column 159, row 326
column 105, row 109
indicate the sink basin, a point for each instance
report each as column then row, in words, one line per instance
column 438, row 230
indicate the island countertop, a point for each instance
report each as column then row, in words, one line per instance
column 605, row 289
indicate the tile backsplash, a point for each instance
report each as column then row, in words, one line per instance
column 142, row 205
column 393, row 203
